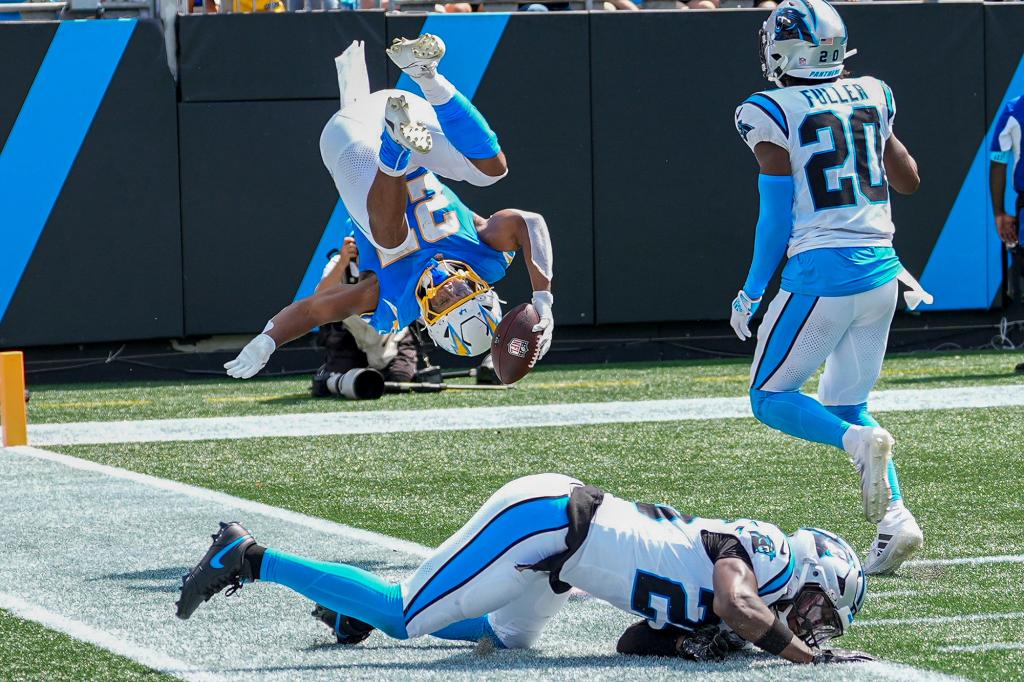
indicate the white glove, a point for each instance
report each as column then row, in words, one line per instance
column 742, row 308
column 252, row 358
column 542, row 302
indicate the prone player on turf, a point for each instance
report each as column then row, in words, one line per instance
column 827, row 155
column 423, row 253
column 509, row 570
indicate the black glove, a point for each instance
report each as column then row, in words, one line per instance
column 709, row 643
column 841, row 656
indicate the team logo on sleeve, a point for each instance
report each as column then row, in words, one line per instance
column 743, row 128
column 762, row 544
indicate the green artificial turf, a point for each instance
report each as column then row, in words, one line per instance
column 551, row 384
column 955, row 467
column 29, row 651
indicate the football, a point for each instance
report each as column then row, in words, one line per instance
column 515, row 344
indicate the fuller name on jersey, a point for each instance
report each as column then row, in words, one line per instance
column 835, row 133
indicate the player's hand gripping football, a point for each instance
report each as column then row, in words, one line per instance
column 542, row 302
column 252, row 358
column 743, row 307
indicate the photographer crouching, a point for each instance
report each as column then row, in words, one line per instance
column 352, row 344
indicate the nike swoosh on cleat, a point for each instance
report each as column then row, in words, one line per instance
column 215, row 562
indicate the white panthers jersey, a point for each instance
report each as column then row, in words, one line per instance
column 651, row 560
column 835, row 134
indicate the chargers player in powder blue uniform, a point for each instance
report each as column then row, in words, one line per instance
column 827, row 157
column 423, row 253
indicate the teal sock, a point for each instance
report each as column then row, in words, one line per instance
column 341, row 588
column 858, row 414
column 798, row 415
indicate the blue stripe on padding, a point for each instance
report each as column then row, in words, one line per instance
column 779, row 581
column 338, row 227
column 510, row 527
column 783, row 336
column 769, row 106
column 470, row 41
column 48, row 133
column 968, row 242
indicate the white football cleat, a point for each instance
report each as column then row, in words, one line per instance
column 899, row 538
column 417, row 57
column 871, row 458
column 412, row 135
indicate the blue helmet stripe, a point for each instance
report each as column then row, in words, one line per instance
column 770, row 107
column 780, row 580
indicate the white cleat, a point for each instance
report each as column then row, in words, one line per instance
column 417, row 57
column 899, row 538
column 872, row 461
column 412, row 135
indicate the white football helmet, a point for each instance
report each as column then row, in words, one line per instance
column 803, row 39
column 461, row 310
column 829, row 590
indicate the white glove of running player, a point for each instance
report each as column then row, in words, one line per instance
column 542, row 302
column 252, row 358
column 742, row 309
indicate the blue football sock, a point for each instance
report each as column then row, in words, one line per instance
column 392, row 155
column 466, row 128
column 340, row 587
column 798, row 415
column 470, row 630
column 858, row 414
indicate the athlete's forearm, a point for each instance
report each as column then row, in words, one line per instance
column 774, row 224
column 333, row 305
column 997, row 185
column 536, row 243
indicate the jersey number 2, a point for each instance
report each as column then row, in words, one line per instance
column 645, row 585
column 868, row 168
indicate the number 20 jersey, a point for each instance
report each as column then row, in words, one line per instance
column 651, row 560
column 835, row 133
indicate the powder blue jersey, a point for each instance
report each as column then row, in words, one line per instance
column 1006, row 140
column 841, row 238
column 441, row 224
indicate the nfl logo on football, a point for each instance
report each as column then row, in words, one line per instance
column 518, row 347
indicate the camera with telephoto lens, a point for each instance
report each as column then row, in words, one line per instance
column 362, row 383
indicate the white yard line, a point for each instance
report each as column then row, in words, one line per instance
column 195, row 492
column 976, row 648
column 969, row 561
column 101, row 638
column 939, row 620
column 471, row 418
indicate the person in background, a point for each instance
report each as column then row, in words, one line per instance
column 352, row 343
column 1006, row 151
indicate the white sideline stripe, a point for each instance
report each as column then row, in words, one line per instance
column 971, row 561
column 322, row 525
column 106, row 640
column 938, row 620
column 472, row 418
column 973, row 648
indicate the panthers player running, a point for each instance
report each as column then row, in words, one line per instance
column 509, row 570
column 423, row 253
column 827, row 156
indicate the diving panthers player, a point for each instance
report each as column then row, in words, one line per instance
column 423, row 253
column 509, row 570
column 828, row 156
